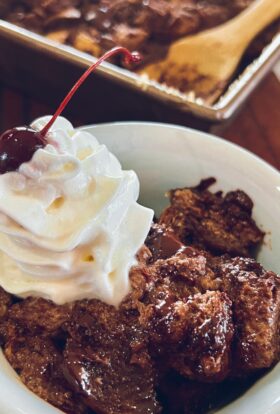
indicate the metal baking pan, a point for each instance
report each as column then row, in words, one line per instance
column 235, row 95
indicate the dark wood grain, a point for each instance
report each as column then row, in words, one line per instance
column 256, row 127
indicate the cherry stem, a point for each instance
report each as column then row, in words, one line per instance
column 129, row 57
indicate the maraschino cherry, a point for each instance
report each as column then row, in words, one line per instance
column 18, row 145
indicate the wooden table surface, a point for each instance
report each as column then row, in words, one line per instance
column 256, row 127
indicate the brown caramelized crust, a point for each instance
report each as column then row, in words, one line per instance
column 200, row 315
column 30, row 311
column 33, row 337
column 207, row 319
column 135, row 20
column 205, row 349
column 148, row 26
column 216, row 223
column 106, row 361
column 189, row 326
column 164, row 290
column 37, row 362
column 256, row 305
column 36, row 316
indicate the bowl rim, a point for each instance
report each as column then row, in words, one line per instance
column 201, row 134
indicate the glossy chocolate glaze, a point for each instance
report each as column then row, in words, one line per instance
column 163, row 243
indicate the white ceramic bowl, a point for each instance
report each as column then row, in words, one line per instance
column 165, row 157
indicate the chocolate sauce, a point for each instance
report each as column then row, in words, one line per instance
column 163, row 243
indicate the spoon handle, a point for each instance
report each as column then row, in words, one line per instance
column 254, row 19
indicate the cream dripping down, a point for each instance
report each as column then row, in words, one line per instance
column 70, row 224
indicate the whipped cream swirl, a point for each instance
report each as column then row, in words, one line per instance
column 70, row 224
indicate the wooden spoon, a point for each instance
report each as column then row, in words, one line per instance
column 205, row 62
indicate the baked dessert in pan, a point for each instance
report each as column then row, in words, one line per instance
column 146, row 26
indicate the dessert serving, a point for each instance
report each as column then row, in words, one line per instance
column 103, row 311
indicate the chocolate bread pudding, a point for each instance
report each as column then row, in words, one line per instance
column 148, row 26
column 192, row 318
column 105, row 309
column 135, row 24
